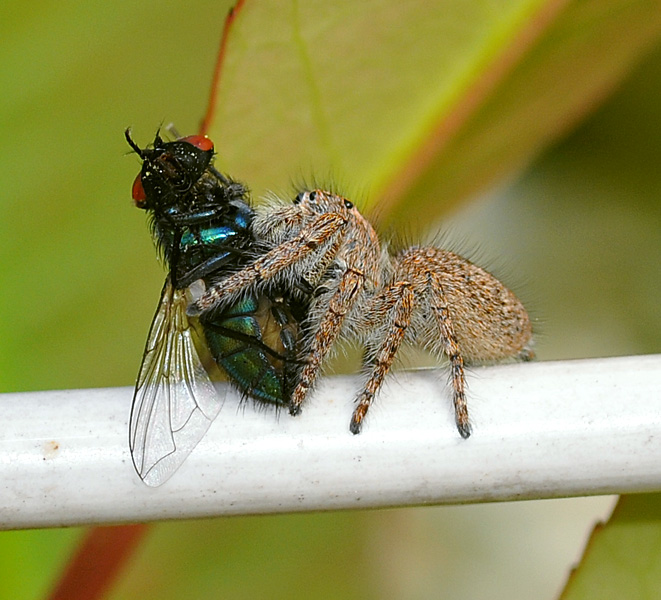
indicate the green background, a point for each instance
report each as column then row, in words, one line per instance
column 576, row 234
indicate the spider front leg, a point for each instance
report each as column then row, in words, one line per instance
column 340, row 304
column 309, row 239
column 394, row 306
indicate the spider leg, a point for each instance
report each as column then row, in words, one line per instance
column 439, row 308
column 273, row 262
column 395, row 305
column 314, row 275
column 327, row 332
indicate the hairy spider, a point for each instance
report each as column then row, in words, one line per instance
column 425, row 296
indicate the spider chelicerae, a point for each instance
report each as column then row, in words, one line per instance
column 423, row 295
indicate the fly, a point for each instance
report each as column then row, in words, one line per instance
column 201, row 223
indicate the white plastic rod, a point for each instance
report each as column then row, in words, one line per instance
column 540, row 430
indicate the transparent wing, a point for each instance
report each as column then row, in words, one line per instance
column 175, row 401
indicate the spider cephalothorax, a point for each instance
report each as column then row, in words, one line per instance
column 424, row 296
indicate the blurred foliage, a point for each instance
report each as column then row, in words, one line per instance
column 578, row 231
column 622, row 559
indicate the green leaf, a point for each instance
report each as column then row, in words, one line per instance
column 623, row 557
column 411, row 110
column 424, row 103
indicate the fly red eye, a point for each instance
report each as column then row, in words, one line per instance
column 138, row 192
column 199, row 141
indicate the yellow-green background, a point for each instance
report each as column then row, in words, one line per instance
column 578, row 234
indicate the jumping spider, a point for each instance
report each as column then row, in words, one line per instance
column 425, row 296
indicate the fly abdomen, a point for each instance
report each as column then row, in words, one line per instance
column 234, row 338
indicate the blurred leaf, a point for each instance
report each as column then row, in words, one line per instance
column 276, row 557
column 30, row 560
column 78, row 267
column 623, row 557
column 350, row 91
column 425, row 102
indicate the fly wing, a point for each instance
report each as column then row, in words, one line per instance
column 175, row 401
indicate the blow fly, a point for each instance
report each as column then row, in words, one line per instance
column 201, row 224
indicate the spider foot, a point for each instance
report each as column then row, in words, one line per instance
column 356, row 424
column 294, row 409
column 464, row 429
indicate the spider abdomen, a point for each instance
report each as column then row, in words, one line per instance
column 489, row 321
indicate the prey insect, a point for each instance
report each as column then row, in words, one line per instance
column 423, row 295
column 201, row 223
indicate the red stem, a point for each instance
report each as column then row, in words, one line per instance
column 229, row 21
column 100, row 556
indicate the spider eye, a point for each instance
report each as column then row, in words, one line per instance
column 313, row 196
column 348, row 204
column 298, row 198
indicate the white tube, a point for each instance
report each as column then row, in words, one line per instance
column 540, row 430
